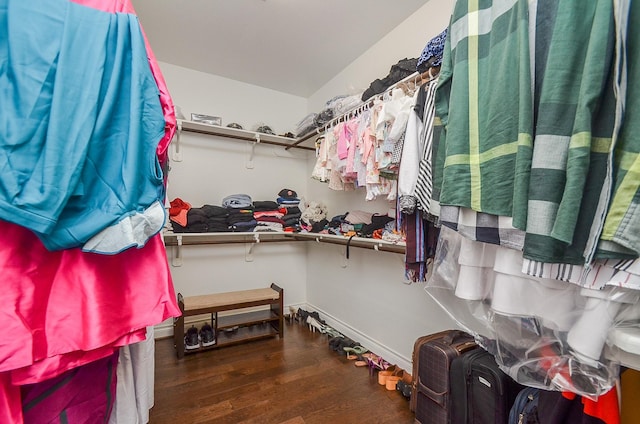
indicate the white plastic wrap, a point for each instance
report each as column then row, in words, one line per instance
column 543, row 332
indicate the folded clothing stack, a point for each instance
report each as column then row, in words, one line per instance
column 288, row 199
column 240, row 210
column 207, row 219
column 268, row 215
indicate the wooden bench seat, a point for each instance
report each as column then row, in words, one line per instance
column 233, row 328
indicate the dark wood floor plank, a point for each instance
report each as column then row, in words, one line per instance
column 296, row 379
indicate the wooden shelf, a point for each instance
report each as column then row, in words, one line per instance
column 247, row 318
column 234, row 133
column 245, row 334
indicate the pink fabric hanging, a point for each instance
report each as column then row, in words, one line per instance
column 83, row 395
column 61, row 302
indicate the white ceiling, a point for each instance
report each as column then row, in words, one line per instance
column 292, row 46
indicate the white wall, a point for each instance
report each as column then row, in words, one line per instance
column 234, row 101
column 214, row 167
column 406, row 41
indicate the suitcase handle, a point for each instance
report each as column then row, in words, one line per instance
column 452, row 335
column 439, row 398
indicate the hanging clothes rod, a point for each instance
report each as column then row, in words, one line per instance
column 417, row 78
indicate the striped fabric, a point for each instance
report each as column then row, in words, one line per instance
column 574, row 129
column 482, row 227
column 621, row 232
column 424, row 184
column 623, row 273
column 484, row 100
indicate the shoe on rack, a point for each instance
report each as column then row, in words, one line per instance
column 207, row 336
column 191, row 339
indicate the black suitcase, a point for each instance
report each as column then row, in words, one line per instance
column 481, row 393
column 432, row 357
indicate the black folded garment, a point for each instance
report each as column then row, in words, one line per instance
column 217, row 223
column 377, row 222
column 244, row 226
column 240, row 216
column 200, row 227
column 289, row 222
column 236, row 219
column 316, row 227
column 292, row 209
column 400, row 70
column 292, row 216
column 265, row 205
column 218, row 227
column 195, row 216
column 213, row 210
column 237, row 212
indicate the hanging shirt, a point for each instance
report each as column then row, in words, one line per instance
column 80, row 125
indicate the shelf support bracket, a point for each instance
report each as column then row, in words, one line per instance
column 177, row 252
column 248, row 253
column 249, row 163
column 177, row 153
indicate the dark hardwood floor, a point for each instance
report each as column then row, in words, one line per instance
column 296, row 379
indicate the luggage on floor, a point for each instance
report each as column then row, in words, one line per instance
column 525, row 407
column 432, row 356
column 481, row 393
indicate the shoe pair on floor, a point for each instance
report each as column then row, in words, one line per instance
column 195, row 339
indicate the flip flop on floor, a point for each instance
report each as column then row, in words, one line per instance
column 356, row 350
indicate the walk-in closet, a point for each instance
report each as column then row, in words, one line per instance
column 261, row 211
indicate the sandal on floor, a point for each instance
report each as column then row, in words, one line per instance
column 356, row 350
column 331, row 332
column 376, row 363
column 342, row 343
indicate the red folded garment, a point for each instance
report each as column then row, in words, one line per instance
column 178, row 211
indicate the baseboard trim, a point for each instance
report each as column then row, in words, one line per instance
column 370, row 343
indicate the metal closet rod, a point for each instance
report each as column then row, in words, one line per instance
column 416, row 77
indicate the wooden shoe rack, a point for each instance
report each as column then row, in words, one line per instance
column 233, row 328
